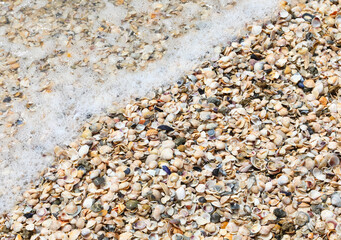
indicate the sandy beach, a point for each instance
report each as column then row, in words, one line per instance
column 170, row 120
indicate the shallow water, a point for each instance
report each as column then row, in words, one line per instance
column 74, row 93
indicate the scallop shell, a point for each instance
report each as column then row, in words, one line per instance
column 318, row 174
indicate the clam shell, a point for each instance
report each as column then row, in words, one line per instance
column 255, row 228
column 318, row 174
column 316, row 22
column 139, row 225
column 333, row 160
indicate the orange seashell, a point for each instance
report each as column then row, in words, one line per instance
column 151, row 132
column 323, row 100
column 224, row 224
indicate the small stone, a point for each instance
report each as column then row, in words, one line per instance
column 132, row 204
column 98, row 181
column 279, row 213
column 96, row 207
column 180, row 141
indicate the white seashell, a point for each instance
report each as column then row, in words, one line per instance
column 83, row 151
column 255, row 228
column 232, row 227
column 256, row 30
column 283, row 14
column 282, row 180
column 167, row 154
column 200, row 188
column 73, row 235
column 88, row 203
column 336, row 199
column 316, row 22
column 41, row 212
column 268, row 187
column 202, row 220
column 267, row 237
column 296, row 78
column 326, row 214
column 180, row 193
column 318, row 174
column 168, row 144
column 85, row 232
column 314, row 194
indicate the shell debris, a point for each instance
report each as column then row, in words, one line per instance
column 247, row 146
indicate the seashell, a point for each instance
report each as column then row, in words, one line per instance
column 54, row 208
column 265, row 230
column 203, row 219
column 331, row 223
column 166, row 154
column 316, row 22
column 255, row 228
column 151, row 132
column 315, row 194
column 132, row 204
column 266, row 237
column 318, row 174
column 274, row 167
column 88, row 203
column 302, row 218
column 139, row 225
column 73, row 235
column 232, row 227
column 180, row 193
column 139, row 128
column 96, row 207
column 256, row 30
column 152, row 225
column 258, row 163
column 333, row 160
column 336, row 199
column 72, row 209
column 158, row 210
column 85, row 232
column 327, row 214
column 83, row 151
column 187, row 177
column 310, row 182
column 41, row 212
column 154, row 236
column 207, row 207
column 144, row 209
column 216, row 216
column 170, row 211
column 283, row 14
column 282, row 180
